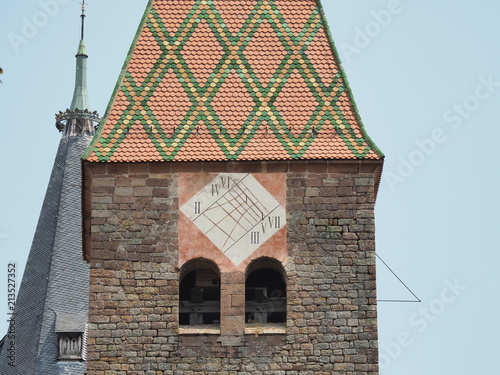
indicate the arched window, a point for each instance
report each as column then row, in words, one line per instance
column 265, row 292
column 199, row 294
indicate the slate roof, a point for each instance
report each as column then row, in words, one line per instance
column 55, row 283
column 219, row 80
column 54, row 291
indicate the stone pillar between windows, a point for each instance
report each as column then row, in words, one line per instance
column 232, row 307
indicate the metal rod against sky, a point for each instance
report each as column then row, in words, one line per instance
column 83, row 18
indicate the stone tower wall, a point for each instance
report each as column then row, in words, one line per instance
column 132, row 213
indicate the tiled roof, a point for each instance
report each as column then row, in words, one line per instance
column 56, row 278
column 232, row 80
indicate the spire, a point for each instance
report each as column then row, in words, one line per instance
column 78, row 119
column 51, row 308
column 80, row 96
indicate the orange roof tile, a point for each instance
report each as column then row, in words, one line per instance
column 232, row 80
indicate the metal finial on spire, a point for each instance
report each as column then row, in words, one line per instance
column 78, row 119
column 83, row 18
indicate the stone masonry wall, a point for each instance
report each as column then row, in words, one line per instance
column 131, row 242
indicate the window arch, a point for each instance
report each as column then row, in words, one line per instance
column 265, row 292
column 199, row 293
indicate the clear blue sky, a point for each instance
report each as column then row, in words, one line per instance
column 426, row 78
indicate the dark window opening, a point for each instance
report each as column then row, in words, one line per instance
column 199, row 295
column 265, row 296
column 70, row 346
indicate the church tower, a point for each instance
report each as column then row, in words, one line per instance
column 47, row 331
column 229, row 200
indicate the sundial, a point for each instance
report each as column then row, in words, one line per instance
column 236, row 213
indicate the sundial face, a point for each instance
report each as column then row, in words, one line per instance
column 236, row 213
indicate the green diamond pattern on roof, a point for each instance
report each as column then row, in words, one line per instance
column 232, row 80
